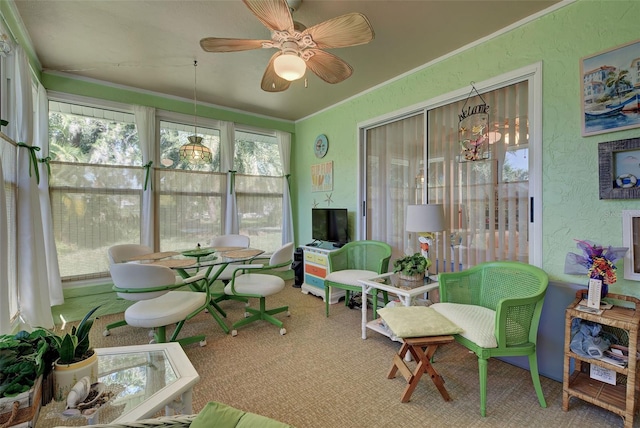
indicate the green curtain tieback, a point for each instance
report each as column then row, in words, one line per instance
column 34, row 159
column 147, row 167
column 232, row 180
column 46, row 162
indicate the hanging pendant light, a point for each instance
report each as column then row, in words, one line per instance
column 194, row 151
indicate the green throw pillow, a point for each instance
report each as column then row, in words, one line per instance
column 417, row 321
column 218, row 415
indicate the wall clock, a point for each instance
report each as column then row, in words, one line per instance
column 321, row 146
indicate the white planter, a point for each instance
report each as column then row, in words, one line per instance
column 67, row 375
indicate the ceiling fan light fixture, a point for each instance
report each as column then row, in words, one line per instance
column 289, row 66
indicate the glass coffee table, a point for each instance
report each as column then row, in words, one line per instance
column 405, row 290
column 143, row 379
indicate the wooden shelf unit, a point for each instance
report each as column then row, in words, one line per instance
column 621, row 398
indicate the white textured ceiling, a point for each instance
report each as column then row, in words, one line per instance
column 151, row 44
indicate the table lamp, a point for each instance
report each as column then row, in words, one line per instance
column 425, row 219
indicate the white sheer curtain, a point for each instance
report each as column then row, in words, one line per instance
column 34, row 296
column 7, row 156
column 41, row 139
column 284, row 145
column 146, row 126
column 394, row 165
column 227, row 150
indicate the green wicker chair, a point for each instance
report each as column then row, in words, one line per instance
column 354, row 261
column 503, row 300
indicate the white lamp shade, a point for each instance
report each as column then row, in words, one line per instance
column 425, row 218
column 289, row 66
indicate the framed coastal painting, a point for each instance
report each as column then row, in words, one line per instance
column 611, row 90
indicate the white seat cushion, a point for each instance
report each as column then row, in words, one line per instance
column 256, row 283
column 167, row 309
column 478, row 323
column 350, row 276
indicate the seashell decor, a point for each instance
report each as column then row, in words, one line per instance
column 79, row 392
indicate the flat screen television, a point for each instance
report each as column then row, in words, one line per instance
column 330, row 225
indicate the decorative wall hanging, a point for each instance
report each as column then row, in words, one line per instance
column 322, row 177
column 610, row 101
column 619, row 163
column 473, row 129
column 328, row 199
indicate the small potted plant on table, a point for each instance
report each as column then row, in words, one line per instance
column 76, row 357
column 412, row 268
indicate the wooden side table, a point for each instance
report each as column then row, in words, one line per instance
column 422, row 349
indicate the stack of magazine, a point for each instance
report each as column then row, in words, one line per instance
column 616, row 355
column 582, row 306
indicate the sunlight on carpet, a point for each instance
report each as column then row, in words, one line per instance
column 75, row 308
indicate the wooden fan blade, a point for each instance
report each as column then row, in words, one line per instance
column 329, row 67
column 271, row 82
column 219, row 44
column 347, row 30
column 274, row 14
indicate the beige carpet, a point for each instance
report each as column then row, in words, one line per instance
column 322, row 374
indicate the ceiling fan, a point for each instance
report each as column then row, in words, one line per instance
column 298, row 47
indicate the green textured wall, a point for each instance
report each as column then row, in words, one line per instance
column 571, row 208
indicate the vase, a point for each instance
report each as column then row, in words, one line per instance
column 604, row 287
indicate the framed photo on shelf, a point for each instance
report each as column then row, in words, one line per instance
column 619, row 165
column 631, row 240
column 610, row 101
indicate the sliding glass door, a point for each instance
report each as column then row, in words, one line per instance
column 419, row 159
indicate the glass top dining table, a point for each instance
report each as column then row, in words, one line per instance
column 188, row 263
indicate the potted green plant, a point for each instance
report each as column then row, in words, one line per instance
column 26, row 359
column 412, row 268
column 76, row 357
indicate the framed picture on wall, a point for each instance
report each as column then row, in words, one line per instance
column 619, row 164
column 322, row 177
column 610, row 99
column 631, row 240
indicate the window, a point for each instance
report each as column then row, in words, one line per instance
column 96, row 185
column 259, row 187
column 98, row 181
column 190, row 196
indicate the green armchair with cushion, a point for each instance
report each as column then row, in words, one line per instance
column 498, row 305
column 355, row 261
